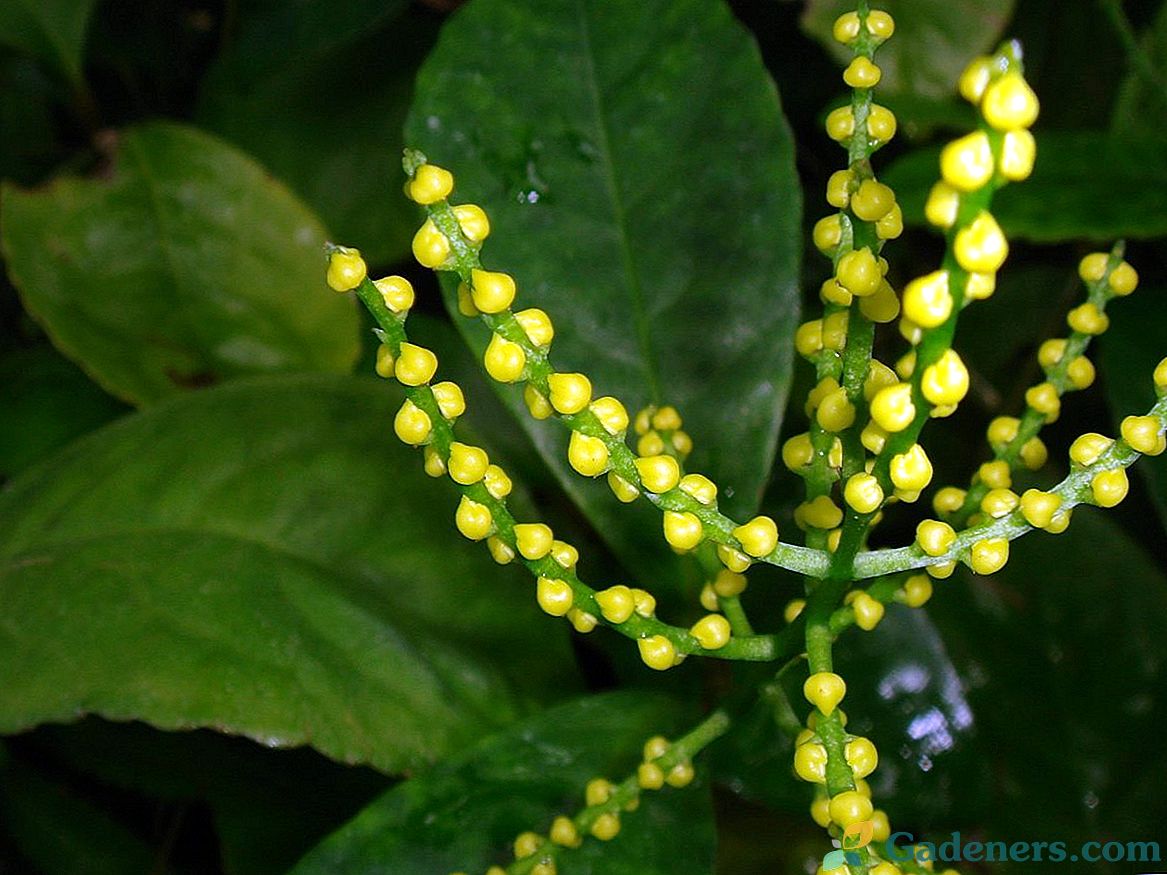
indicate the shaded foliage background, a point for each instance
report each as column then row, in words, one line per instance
column 233, row 612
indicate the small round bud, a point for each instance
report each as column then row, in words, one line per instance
column 570, row 393
column 758, row 537
column 989, row 555
column 587, row 455
column 711, row 631
column 824, row 690
column 657, row 652
column 967, row 164
column 934, row 537
column 430, row 246
column 1009, row 103
column 430, row 184
column 554, row 596
column 346, row 269
column 396, row 292
column 658, row 473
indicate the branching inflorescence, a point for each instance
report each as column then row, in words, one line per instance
column 860, row 454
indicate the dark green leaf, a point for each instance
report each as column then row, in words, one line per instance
column 274, row 36
column 660, row 231
column 932, row 44
column 47, row 401
column 26, row 105
column 330, row 125
column 58, row 830
column 464, row 814
column 1142, row 99
column 266, row 559
column 1065, row 660
column 1136, row 343
column 905, row 695
column 1086, row 185
column 188, row 265
column 51, row 30
column 270, row 806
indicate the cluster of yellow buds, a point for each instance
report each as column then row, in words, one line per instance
column 859, row 454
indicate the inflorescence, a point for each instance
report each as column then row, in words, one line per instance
column 859, row 455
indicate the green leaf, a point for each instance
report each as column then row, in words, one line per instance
column 1065, row 659
column 1141, row 100
column 1085, row 185
column 640, row 181
column 51, row 30
column 61, row 831
column 932, row 44
column 903, row 693
column 186, row 266
column 265, row 559
column 330, row 124
column 464, row 814
column 270, row 806
column 47, row 401
column 1135, row 344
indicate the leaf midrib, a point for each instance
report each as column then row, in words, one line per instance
column 611, row 178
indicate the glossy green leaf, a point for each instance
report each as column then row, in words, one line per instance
column 51, row 30
column 1065, row 659
column 188, row 265
column 903, row 693
column 932, row 44
column 266, row 559
column 1086, row 185
column 330, row 124
column 1135, row 344
column 659, row 232
column 465, row 813
column 47, row 401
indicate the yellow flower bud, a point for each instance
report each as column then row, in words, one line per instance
column 927, row 300
column 570, row 393
column 504, row 359
column 1109, row 487
column 975, row 79
column 892, row 408
column 917, row 589
column 385, row 361
column 967, row 164
column 396, row 292
column 863, row 493
column 1039, row 507
column 415, row 365
column 611, row 413
column 942, row 205
column 1009, row 103
column 728, row 583
column 861, row 73
column 846, row 28
column 467, row 464
column 824, row 690
column 758, row 537
column 683, row 531
column 950, row 499
column 858, row 272
column 554, row 596
column 616, row 603
column 1088, row 319
column 606, row 827
column 989, row 555
column 564, row 833
column 1123, row 279
column 658, row 473
column 981, row 246
column 1144, row 434
column 873, row 200
column 880, row 24
column 621, row 488
column 1018, row 151
column 538, row 405
column 346, row 269
column 430, row 184
column 587, row 455
column 430, row 246
column 827, row 234
column 412, row 424
column 911, row 470
column 711, row 631
column 491, row 291
column 500, row 551
column 945, row 381
column 881, row 123
column 1044, row 399
column 657, row 652
column 473, row 519
column 473, row 222
column 840, row 124
column 868, row 611
column 850, row 807
column 839, row 188
column 934, row 537
column 537, row 326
